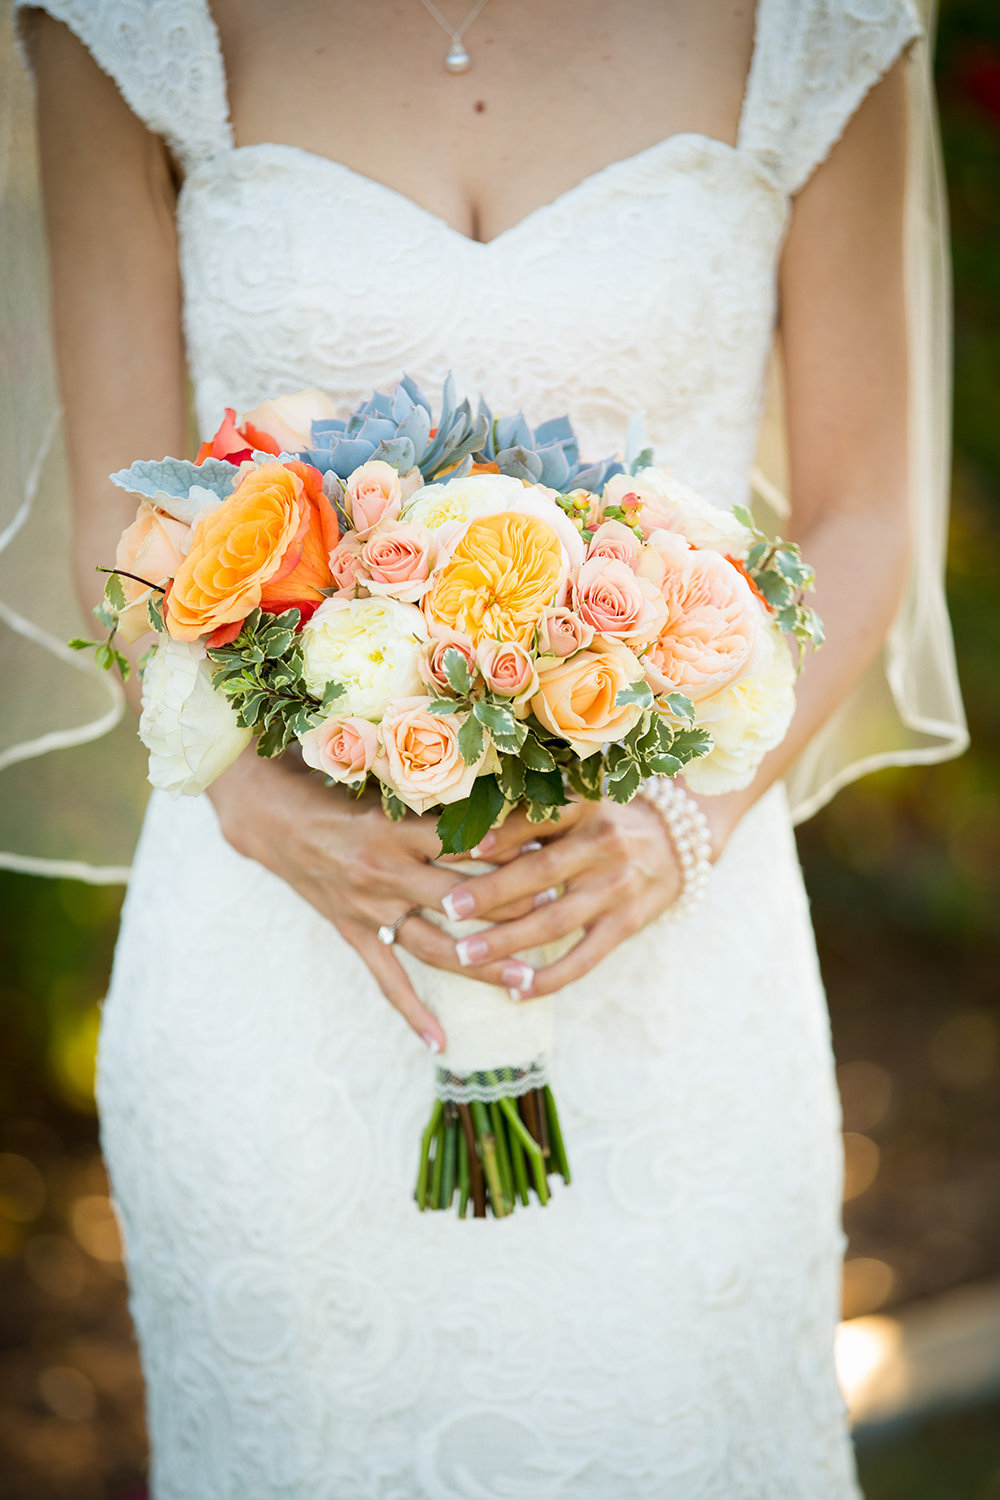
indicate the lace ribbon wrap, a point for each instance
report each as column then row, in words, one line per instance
column 486, row 1030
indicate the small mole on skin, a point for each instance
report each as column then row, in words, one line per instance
column 479, row 106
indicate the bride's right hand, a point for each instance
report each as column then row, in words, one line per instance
column 349, row 861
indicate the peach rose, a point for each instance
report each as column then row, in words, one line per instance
column 661, row 503
column 432, row 661
column 347, row 567
column 501, row 575
column 576, row 697
column 610, row 598
column 240, row 547
column 398, row 560
column 561, row 632
column 616, row 541
column 712, row 624
column 373, row 493
column 344, row 748
column 152, row 548
column 288, row 420
column 420, row 759
column 508, row 671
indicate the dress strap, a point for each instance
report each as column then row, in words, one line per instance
column 814, row 61
column 164, row 57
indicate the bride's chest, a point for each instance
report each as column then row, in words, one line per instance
column 649, row 283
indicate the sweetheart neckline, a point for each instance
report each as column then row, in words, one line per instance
column 621, row 164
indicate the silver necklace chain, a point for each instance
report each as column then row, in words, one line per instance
column 457, row 60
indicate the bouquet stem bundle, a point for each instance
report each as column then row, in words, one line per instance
column 490, row 1153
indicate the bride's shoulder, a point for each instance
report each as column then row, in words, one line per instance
column 163, row 56
column 814, row 62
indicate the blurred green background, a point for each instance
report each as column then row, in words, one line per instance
column 902, row 871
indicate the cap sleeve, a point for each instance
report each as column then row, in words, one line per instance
column 814, row 62
column 164, row 57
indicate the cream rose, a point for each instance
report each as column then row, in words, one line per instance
column 713, row 621
column 576, row 697
column 373, row 493
column 746, row 719
column 420, row 760
column 508, row 671
column 344, row 748
column 668, row 505
column 289, row 419
column 615, row 603
column 189, row 728
column 371, row 646
column 398, row 559
column 153, row 548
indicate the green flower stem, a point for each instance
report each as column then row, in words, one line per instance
column 543, row 1127
column 529, row 1114
column 531, row 1146
column 477, row 1183
column 437, row 1171
column 464, row 1174
column 450, row 1155
column 518, row 1163
column 488, row 1150
column 503, row 1157
column 425, row 1151
column 559, row 1157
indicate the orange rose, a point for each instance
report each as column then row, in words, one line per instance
column 260, row 535
column 305, row 569
column 236, row 443
column 500, row 577
column 576, row 697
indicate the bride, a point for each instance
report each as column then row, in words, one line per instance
column 610, row 209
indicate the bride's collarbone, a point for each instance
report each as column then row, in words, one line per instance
column 534, row 115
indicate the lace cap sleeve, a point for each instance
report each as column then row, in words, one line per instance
column 164, row 57
column 814, row 62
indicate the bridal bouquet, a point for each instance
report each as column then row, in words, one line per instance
column 468, row 618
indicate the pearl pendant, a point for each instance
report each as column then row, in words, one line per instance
column 458, row 59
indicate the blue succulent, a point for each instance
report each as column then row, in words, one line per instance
column 549, row 455
column 397, row 428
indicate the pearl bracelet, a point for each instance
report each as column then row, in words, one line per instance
column 689, row 833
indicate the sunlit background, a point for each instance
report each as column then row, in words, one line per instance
column 902, row 870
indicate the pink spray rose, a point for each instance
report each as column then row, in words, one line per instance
column 373, row 493
column 431, row 665
column 398, row 559
column 615, row 540
column 561, row 632
column 617, row 604
column 347, row 565
column 508, row 671
column 344, row 748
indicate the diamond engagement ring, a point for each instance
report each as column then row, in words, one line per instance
column 387, row 932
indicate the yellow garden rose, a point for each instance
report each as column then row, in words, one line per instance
column 500, row 577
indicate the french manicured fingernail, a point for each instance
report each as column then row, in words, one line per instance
column 472, row 950
column 433, row 1045
column 518, row 978
column 544, row 897
column 458, row 904
column 531, row 846
column 486, row 843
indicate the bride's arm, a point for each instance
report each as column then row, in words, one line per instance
column 110, row 202
column 843, row 329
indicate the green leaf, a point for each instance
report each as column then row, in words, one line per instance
column 663, row 765
column 122, row 663
column 545, row 788
column 745, row 518
column 689, row 744
column 277, row 643
column 461, row 825
column 447, row 706
column 114, row 592
column 470, row 740
column 78, row 644
column 624, row 788
column 512, row 777
column 586, row 777
column 776, row 590
column 680, row 706
column 456, row 669
column 507, row 734
column 392, row 807
column 788, row 561
column 154, row 611
column 331, row 693
column 535, row 756
column 636, row 692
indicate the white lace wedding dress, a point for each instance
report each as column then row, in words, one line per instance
column 664, row 1329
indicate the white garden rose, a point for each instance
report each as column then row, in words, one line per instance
column 372, row 646
column 462, row 500
column 746, row 719
column 671, row 506
column 189, row 728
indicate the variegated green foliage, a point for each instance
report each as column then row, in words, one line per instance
column 260, row 672
column 777, row 569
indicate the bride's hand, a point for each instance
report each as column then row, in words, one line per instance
column 604, row 868
column 358, row 869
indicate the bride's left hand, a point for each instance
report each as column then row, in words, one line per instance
column 602, row 868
